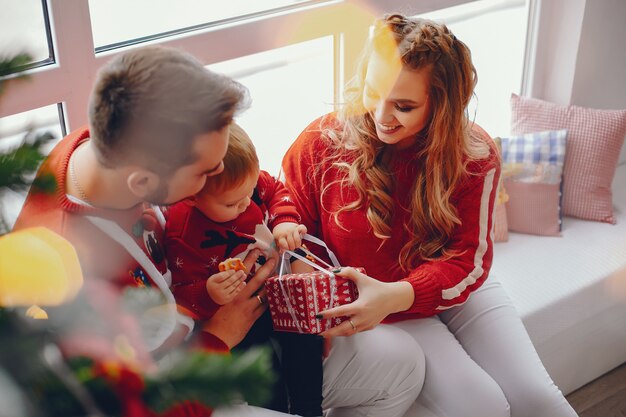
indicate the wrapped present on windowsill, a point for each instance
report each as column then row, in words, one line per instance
column 295, row 299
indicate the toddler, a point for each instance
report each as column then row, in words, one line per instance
column 238, row 210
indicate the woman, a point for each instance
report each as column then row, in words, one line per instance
column 400, row 182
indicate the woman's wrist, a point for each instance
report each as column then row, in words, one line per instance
column 401, row 296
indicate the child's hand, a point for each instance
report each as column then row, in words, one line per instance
column 288, row 236
column 224, row 286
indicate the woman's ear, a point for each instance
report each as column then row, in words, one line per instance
column 143, row 183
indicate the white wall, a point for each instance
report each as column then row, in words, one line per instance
column 581, row 54
column 556, row 45
column 600, row 77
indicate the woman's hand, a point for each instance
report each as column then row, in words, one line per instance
column 376, row 301
column 232, row 321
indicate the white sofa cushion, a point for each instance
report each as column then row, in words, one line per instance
column 571, row 292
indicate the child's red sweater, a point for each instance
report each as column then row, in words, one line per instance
column 195, row 245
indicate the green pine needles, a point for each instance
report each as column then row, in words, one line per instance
column 19, row 164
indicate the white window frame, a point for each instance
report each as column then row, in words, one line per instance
column 69, row 79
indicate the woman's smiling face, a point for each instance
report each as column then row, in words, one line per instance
column 397, row 98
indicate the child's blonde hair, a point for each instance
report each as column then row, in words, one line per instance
column 240, row 162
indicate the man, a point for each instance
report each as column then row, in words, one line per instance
column 158, row 125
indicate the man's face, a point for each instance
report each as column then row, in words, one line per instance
column 210, row 149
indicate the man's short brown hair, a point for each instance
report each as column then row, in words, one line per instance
column 149, row 104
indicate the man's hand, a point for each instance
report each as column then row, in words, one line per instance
column 232, row 321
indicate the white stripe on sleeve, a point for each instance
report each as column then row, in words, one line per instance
column 451, row 293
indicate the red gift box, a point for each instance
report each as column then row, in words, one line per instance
column 295, row 299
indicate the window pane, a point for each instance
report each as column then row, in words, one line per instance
column 495, row 31
column 12, row 131
column 24, row 29
column 115, row 21
column 290, row 87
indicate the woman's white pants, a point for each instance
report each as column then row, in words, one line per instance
column 480, row 362
column 475, row 360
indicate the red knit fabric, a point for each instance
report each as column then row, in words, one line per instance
column 437, row 284
column 187, row 409
column 103, row 258
column 100, row 256
column 195, row 244
column 209, row 342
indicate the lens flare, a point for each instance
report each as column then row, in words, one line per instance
column 37, row 267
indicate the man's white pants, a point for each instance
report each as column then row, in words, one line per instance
column 378, row 373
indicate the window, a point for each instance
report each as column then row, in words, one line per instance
column 293, row 55
column 497, row 52
column 25, row 29
column 12, row 132
column 290, row 87
column 118, row 21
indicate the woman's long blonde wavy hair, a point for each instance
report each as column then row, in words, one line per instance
column 447, row 142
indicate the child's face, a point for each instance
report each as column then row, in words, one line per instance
column 227, row 205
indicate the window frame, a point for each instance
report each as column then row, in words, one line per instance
column 68, row 79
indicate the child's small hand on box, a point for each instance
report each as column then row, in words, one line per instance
column 288, row 236
column 224, row 286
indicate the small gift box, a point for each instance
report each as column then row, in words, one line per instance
column 295, row 299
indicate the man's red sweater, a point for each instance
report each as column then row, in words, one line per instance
column 439, row 284
column 101, row 258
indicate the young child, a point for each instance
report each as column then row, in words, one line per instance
column 238, row 210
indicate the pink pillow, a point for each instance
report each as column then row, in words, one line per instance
column 500, row 224
column 533, row 208
column 594, row 140
column 532, row 168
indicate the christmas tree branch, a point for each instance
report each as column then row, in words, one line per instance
column 13, row 65
column 212, row 379
column 54, row 359
column 19, row 164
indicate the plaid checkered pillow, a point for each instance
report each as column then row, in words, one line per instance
column 532, row 168
column 594, row 139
